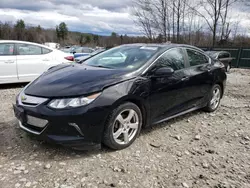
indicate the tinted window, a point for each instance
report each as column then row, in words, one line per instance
column 28, row 49
column 224, row 55
column 46, row 51
column 130, row 57
column 87, row 50
column 6, row 49
column 78, row 50
column 196, row 58
column 173, row 58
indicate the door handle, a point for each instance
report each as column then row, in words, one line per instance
column 9, row 61
column 185, row 78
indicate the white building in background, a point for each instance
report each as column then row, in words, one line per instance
column 52, row 45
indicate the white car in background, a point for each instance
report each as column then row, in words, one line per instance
column 24, row 61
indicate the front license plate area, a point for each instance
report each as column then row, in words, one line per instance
column 37, row 122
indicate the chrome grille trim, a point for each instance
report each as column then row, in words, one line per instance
column 31, row 101
column 29, row 130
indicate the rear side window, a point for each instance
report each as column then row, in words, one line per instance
column 173, row 58
column 28, row 49
column 196, row 58
column 87, row 50
column 224, row 55
column 6, row 49
column 46, row 51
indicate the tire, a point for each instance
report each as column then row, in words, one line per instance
column 211, row 107
column 123, row 126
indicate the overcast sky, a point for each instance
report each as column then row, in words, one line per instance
column 94, row 16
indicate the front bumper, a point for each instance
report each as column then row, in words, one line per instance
column 79, row 128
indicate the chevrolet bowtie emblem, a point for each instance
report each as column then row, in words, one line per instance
column 23, row 98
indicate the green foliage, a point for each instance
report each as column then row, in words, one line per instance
column 39, row 29
column 20, row 25
column 88, row 39
column 62, row 31
column 81, row 39
column 96, row 39
column 19, row 30
column 113, row 34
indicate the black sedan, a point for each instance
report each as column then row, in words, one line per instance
column 111, row 96
column 222, row 56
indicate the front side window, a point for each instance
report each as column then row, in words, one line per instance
column 196, row 58
column 123, row 57
column 28, row 49
column 6, row 49
column 173, row 58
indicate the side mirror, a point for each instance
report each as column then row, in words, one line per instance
column 73, row 52
column 163, row 72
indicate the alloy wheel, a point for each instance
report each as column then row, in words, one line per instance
column 215, row 98
column 125, row 126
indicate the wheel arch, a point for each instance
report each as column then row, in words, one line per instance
column 138, row 102
column 222, row 88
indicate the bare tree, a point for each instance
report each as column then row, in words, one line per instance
column 211, row 11
column 143, row 17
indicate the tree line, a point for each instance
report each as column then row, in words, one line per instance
column 200, row 23
column 197, row 22
column 62, row 35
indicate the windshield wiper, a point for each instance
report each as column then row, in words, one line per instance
column 101, row 66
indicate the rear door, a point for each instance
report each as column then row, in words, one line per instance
column 200, row 77
column 31, row 62
column 8, row 69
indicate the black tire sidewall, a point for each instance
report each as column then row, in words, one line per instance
column 108, row 139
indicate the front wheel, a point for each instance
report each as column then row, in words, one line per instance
column 123, row 126
column 214, row 99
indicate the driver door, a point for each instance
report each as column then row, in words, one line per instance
column 167, row 96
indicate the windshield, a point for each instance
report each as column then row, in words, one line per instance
column 123, row 57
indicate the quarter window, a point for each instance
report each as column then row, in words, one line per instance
column 173, row 58
column 28, row 49
column 46, row 51
column 6, row 49
column 196, row 58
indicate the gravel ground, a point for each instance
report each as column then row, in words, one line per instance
column 196, row 150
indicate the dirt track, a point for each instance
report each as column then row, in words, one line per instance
column 196, row 150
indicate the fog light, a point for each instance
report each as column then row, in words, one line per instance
column 76, row 127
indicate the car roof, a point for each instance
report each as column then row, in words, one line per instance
column 217, row 52
column 25, row 42
column 163, row 45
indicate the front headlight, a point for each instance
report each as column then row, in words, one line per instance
column 72, row 102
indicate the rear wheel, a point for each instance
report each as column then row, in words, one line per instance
column 123, row 126
column 215, row 97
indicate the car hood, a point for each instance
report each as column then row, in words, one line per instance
column 75, row 80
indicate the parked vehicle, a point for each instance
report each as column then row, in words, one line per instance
column 84, row 105
column 223, row 56
column 81, row 51
column 82, row 58
column 52, row 45
column 24, row 61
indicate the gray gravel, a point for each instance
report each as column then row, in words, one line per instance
column 196, row 150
